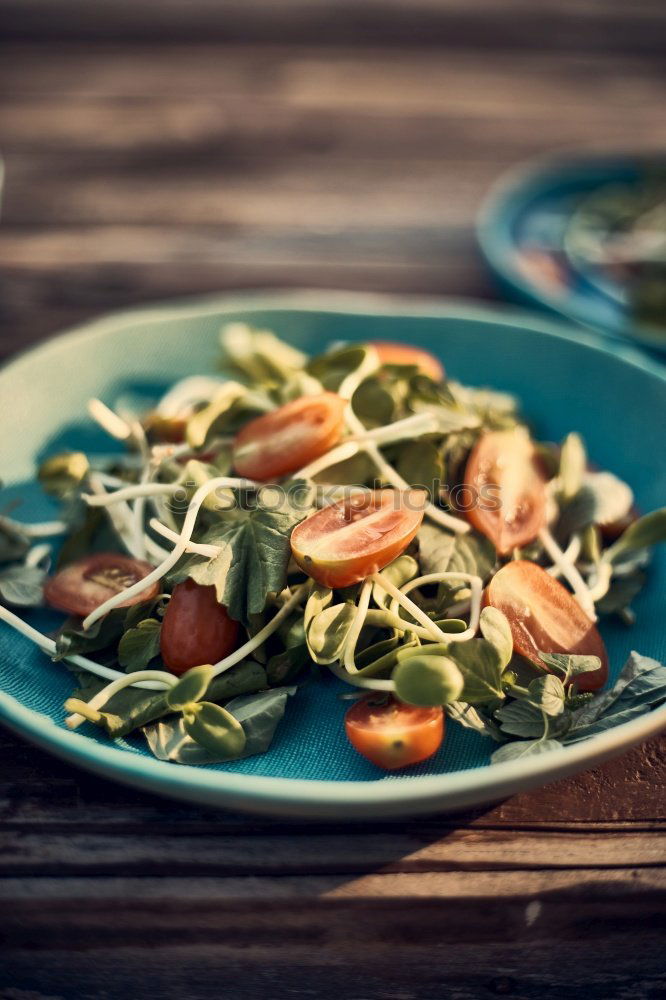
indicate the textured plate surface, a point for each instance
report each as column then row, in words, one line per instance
column 566, row 380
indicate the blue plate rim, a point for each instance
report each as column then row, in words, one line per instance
column 316, row 797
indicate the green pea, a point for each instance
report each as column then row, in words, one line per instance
column 428, row 680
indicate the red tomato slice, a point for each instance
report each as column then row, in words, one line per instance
column 290, row 437
column 83, row 585
column 402, row 354
column 196, row 628
column 545, row 617
column 392, row 734
column 348, row 540
column 506, row 489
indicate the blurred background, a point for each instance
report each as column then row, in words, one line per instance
column 157, row 148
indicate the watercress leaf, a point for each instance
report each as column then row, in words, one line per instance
column 259, row 714
column 481, row 668
column 328, row 631
column 547, row 693
column 441, row 552
column 288, row 666
column 380, row 659
column 520, row 718
column 334, row 366
column 132, row 707
column 22, row 585
column 72, row 639
column 570, row 665
column 62, row 474
column 191, row 687
column 496, row 629
column 373, row 403
column 523, row 748
column 359, row 470
column 258, row 354
column 474, row 718
column 573, row 462
column 637, row 672
column 199, row 425
column 646, row 531
column 420, row 464
column 620, row 594
column 428, row 680
column 139, row 645
column 215, row 729
column 399, row 572
column 254, row 557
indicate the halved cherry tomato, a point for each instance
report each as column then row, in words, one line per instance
column 83, row 585
column 348, row 540
column 290, row 437
column 545, row 617
column 506, row 489
column 392, row 734
column 402, row 354
column 196, row 628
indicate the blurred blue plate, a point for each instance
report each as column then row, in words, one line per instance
column 522, row 231
column 566, row 381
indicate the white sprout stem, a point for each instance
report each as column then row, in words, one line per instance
column 139, row 515
column 476, row 587
column 390, row 474
column 110, row 421
column 414, row 610
column 338, row 454
column 188, row 527
column 263, row 634
column 48, row 646
column 571, row 554
column 120, row 516
column 37, row 554
column 356, row 626
column 370, row 364
column 125, row 680
column 126, row 493
column 603, row 575
column 40, row 529
column 201, row 549
column 417, row 424
column 569, row 572
column 357, row 680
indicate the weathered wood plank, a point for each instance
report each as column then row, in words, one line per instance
column 37, row 852
column 483, row 24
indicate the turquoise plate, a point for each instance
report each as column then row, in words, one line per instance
column 565, row 379
column 521, row 230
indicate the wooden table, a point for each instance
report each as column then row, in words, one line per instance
column 162, row 149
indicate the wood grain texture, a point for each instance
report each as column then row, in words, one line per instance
column 160, row 149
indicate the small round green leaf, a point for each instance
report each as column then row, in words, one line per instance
column 328, row 631
column 428, row 680
column 495, row 628
column 215, row 729
column 190, row 688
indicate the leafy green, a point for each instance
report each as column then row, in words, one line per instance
column 253, row 560
column 106, row 631
column 333, row 367
column 496, row 629
column 520, row 718
column 428, row 680
column 327, row 632
column 132, row 707
column 524, row 748
column 481, row 667
column 22, row 585
column 644, row 532
column 258, row 355
column 191, row 687
column 570, row 665
column 259, row 715
column 214, row 729
column 373, row 403
column 399, row 572
column 620, row 594
column 421, row 466
column 441, row 552
column 139, row 645
column 573, row 462
column 547, row 694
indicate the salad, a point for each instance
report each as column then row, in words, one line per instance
column 357, row 514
